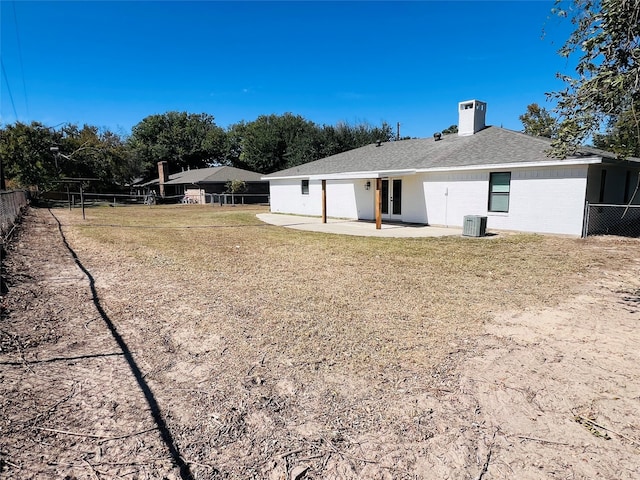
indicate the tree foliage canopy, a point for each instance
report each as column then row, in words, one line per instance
column 620, row 136
column 607, row 85
column 184, row 140
column 276, row 142
column 538, row 122
column 26, row 156
column 345, row 137
column 86, row 152
column 450, row 129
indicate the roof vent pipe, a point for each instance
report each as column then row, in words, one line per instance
column 437, row 136
column 378, row 143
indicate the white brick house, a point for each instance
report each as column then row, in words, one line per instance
column 483, row 170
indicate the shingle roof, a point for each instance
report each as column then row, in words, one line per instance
column 212, row 175
column 490, row 146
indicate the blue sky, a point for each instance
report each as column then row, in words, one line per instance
column 111, row 64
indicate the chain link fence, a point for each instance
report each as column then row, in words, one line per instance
column 622, row 220
column 12, row 204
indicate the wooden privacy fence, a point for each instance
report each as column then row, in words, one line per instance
column 12, row 204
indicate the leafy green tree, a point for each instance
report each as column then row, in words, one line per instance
column 449, row 130
column 82, row 154
column 538, row 122
column 607, row 85
column 275, row 142
column 233, row 142
column 86, row 152
column 236, row 186
column 26, row 156
column 91, row 152
column 124, row 166
column 184, row 140
column 344, row 137
column 620, row 136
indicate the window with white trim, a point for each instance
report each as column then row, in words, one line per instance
column 499, row 190
column 305, row 187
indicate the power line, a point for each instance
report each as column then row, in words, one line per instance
column 6, row 79
column 24, row 84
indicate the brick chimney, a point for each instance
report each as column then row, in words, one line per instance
column 163, row 175
column 471, row 117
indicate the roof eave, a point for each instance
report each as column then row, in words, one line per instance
column 503, row 166
column 346, row 175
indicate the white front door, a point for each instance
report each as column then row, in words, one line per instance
column 391, row 199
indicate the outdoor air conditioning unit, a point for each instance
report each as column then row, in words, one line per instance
column 474, row 226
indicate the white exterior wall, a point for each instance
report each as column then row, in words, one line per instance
column 414, row 207
column 345, row 198
column 451, row 196
column 544, row 200
column 341, row 198
column 286, row 197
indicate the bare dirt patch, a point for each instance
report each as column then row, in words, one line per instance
column 237, row 350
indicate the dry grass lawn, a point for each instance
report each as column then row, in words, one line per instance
column 277, row 353
column 359, row 305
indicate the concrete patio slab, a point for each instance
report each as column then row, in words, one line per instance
column 357, row 227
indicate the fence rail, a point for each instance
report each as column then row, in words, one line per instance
column 603, row 219
column 12, row 204
column 74, row 198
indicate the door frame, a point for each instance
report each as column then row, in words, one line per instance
column 391, row 208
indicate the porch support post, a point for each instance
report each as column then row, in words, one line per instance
column 324, row 201
column 378, row 202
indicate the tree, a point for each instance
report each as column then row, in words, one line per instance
column 538, row 122
column 87, row 152
column 92, row 152
column 274, row 142
column 184, row 140
column 26, row 155
column 620, row 136
column 344, row 137
column 449, row 130
column 83, row 154
column 236, row 186
column 607, row 86
column 124, row 166
column 233, row 140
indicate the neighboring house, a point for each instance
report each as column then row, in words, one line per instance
column 483, row 170
column 199, row 185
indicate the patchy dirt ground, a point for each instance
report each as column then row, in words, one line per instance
column 93, row 385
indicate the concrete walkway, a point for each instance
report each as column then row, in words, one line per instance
column 356, row 227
